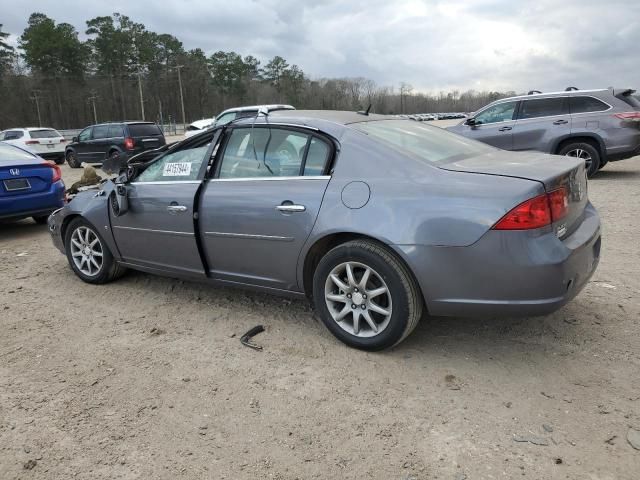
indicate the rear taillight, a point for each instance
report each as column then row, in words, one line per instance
column 57, row 173
column 536, row 212
column 628, row 115
column 128, row 143
column 63, row 140
column 31, row 142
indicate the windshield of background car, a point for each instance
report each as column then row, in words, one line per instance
column 431, row 144
column 44, row 133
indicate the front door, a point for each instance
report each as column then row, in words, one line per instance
column 494, row 125
column 82, row 147
column 157, row 231
column 260, row 208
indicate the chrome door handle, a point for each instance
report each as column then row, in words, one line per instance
column 176, row 208
column 561, row 122
column 504, row 129
column 291, row 208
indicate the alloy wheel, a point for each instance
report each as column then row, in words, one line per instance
column 86, row 251
column 580, row 153
column 358, row 299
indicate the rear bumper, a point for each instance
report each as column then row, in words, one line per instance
column 32, row 204
column 507, row 273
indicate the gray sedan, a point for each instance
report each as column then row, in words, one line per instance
column 378, row 220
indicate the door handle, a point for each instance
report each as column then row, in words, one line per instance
column 504, row 129
column 290, row 208
column 176, row 208
column 561, row 122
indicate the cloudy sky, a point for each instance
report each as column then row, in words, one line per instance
column 431, row 44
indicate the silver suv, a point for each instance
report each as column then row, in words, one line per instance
column 597, row 125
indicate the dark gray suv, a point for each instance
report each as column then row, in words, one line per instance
column 597, row 125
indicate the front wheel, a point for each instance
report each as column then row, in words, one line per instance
column 366, row 296
column 88, row 254
column 586, row 152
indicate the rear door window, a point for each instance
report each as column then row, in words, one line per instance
column 543, row 107
column 101, row 131
column 587, row 105
column 317, row 157
column 13, row 135
column 116, row 131
column 226, row 118
column 144, row 130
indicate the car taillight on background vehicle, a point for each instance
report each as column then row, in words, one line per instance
column 128, row 143
column 63, row 140
column 57, row 173
column 628, row 115
column 536, row 212
column 31, row 142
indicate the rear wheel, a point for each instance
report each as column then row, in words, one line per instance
column 586, row 152
column 366, row 296
column 88, row 254
column 72, row 159
column 59, row 160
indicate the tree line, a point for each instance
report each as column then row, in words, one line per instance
column 125, row 71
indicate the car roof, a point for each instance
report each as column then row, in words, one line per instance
column 342, row 117
column 258, row 107
column 124, row 122
column 203, row 123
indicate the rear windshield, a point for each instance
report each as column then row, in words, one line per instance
column 45, row 133
column 9, row 153
column 144, row 130
column 428, row 143
column 632, row 100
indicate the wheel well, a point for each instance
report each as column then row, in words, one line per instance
column 590, row 140
column 322, row 246
column 113, row 149
column 65, row 224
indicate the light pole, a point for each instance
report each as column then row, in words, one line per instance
column 140, row 90
column 184, row 117
column 35, row 96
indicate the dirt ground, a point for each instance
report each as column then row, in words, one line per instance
column 146, row 378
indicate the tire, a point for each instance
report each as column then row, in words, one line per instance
column 41, row 219
column 402, row 300
column 585, row 151
column 72, row 159
column 107, row 270
column 59, row 160
column 603, row 162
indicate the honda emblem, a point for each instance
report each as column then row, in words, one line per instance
column 14, row 171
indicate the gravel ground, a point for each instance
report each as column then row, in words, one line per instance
column 146, row 378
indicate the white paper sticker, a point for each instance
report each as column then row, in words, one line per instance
column 176, row 170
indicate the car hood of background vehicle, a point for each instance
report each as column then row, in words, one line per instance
column 537, row 166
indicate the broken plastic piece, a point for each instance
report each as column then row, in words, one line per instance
column 246, row 338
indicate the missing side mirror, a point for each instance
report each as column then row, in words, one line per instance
column 118, row 200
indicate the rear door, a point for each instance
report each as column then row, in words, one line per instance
column 494, row 125
column 146, row 136
column 540, row 122
column 157, row 231
column 260, row 208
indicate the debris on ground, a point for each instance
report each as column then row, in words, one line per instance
column 30, row 464
column 157, row 331
column 547, row 428
column 533, row 439
column 246, row 338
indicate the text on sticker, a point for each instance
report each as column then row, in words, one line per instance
column 176, row 169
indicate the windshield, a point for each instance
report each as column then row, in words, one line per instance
column 432, row 144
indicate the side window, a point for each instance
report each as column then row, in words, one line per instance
column 101, row 131
column 226, row 118
column 175, row 166
column 13, row 135
column 115, row 131
column 84, row 135
column 501, row 112
column 1, row 136
column 543, row 107
column 316, row 158
column 587, row 104
column 265, row 152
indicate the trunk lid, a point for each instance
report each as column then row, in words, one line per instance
column 552, row 171
column 146, row 136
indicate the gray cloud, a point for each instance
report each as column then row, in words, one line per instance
column 431, row 44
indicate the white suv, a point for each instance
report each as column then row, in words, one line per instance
column 44, row 142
